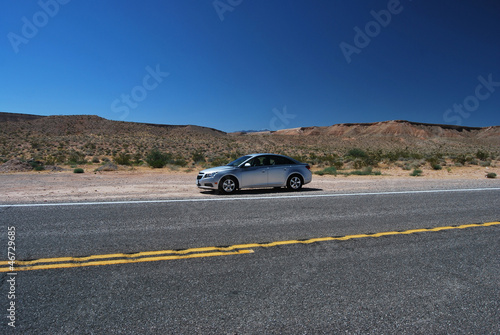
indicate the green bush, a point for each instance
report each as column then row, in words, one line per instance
column 179, row 162
column 416, row 173
column 198, row 157
column 329, row 170
column 122, row 159
column 157, row 159
column 36, row 165
column 357, row 153
column 78, row 170
column 367, row 171
column 436, row 166
column 481, row 155
column 76, row 157
column 486, row 163
column 218, row 161
column 491, row 175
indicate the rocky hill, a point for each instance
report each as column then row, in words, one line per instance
column 59, row 139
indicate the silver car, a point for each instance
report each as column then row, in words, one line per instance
column 255, row 171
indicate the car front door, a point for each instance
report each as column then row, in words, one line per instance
column 254, row 175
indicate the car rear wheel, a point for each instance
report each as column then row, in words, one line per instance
column 294, row 183
column 228, row 185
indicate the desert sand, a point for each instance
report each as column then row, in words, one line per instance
column 154, row 184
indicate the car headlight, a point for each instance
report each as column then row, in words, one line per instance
column 210, row 175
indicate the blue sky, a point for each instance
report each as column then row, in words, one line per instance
column 253, row 64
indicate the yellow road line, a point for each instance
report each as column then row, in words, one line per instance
column 151, row 256
column 118, row 255
column 123, row 261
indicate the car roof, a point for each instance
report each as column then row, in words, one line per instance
column 262, row 154
column 267, row 153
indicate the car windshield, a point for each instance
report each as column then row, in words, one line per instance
column 239, row 161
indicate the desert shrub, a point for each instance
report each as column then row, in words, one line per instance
column 432, row 160
column 78, row 170
column 416, row 173
column 76, row 157
column 36, row 165
column 357, row 153
column 436, row 166
column 96, row 160
column 398, row 155
column 332, row 170
column 362, row 158
column 137, row 159
column 484, row 164
column 482, row 155
column 218, row 161
column 462, row 159
column 367, row 171
column 122, row 159
column 179, row 162
column 157, row 159
column 359, row 163
column 198, row 157
column 491, row 175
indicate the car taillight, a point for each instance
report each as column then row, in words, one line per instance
column 308, row 167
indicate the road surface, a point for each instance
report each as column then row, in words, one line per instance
column 393, row 262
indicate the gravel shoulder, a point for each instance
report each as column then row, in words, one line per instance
column 149, row 184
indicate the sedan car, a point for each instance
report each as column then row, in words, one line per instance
column 256, row 171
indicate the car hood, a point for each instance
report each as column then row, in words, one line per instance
column 218, row 169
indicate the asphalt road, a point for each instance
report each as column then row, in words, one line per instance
column 422, row 282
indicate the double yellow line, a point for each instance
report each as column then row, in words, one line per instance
column 163, row 255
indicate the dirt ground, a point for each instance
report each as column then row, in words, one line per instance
column 150, row 184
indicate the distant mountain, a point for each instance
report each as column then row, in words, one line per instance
column 89, row 124
column 243, row 132
column 56, row 138
column 400, row 128
column 4, row 117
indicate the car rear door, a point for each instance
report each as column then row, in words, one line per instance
column 278, row 170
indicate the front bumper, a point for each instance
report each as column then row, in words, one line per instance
column 211, row 183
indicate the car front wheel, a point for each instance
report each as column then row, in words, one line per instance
column 294, row 183
column 228, row 185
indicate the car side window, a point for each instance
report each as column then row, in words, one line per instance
column 266, row 160
column 256, row 162
column 282, row 160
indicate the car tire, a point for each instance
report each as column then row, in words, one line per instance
column 294, row 183
column 228, row 185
